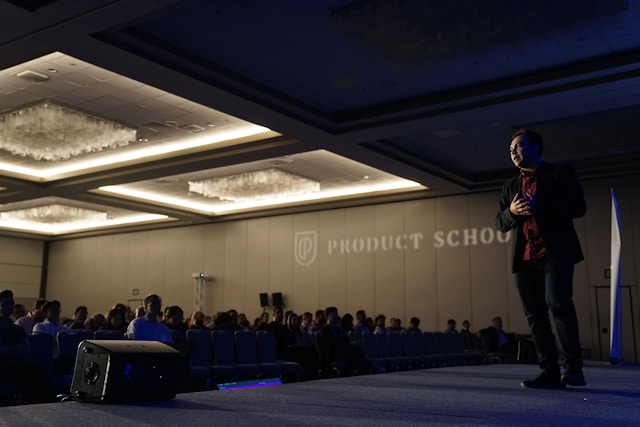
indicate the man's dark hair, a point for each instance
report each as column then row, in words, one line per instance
column 149, row 298
column 533, row 137
column 172, row 310
column 49, row 304
column 223, row 318
column 6, row 293
column 81, row 307
column 330, row 310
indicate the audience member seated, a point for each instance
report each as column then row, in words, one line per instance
column 396, row 325
column 305, row 322
column 34, row 316
column 129, row 314
column 360, row 326
column 233, row 313
column 318, row 322
column 51, row 323
column 148, row 328
column 261, row 323
column 300, row 349
column 371, row 324
column 280, row 332
column 336, row 349
column 140, row 312
column 451, row 327
column 296, row 336
column 174, row 319
column 243, row 322
column 19, row 310
column 466, row 327
column 496, row 340
column 79, row 318
column 15, row 367
column 414, row 326
column 380, row 323
column 196, row 321
column 224, row 322
column 346, row 323
column 95, row 322
column 115, row 321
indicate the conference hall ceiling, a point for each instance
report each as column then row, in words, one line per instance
column 122, row 115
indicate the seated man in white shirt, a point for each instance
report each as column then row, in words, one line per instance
column 34, row 316
column 148, row 327
column 51, row 324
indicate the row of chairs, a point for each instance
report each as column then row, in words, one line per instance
column 407, row 351
column 213, row 356
column 217, row 356
column 220, row 356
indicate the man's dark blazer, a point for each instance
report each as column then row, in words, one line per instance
column 559, row 199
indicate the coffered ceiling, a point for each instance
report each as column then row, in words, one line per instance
column 288, row 106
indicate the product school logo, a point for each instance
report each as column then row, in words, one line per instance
column 305, row 247
column 306, row 242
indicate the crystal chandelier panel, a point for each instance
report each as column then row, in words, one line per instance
column 258, row 185
column 54, row 214
column 51, row 132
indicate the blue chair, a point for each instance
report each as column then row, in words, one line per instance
column 384, row 351
column 397, row 352
column 68, row 343
column 247, row 354
column 224, row 353
column 435, row 349
column 201, row 365
column 417, row 361
column 41, row 352
column 267, row 355
column 370, row 346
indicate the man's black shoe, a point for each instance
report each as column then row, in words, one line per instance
column 574, row 378
column 546, row 379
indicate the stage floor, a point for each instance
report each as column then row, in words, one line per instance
column 487, row 395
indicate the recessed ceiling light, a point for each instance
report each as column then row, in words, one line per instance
column 32, row 76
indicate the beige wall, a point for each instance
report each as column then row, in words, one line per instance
column 434, row 258
column 21, row 268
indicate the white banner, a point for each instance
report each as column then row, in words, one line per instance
column 616, row 312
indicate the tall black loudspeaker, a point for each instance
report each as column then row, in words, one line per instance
column 264, row 300
column 276, row 299
column 124, row 371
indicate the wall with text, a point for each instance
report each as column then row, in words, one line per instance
column 434, row 258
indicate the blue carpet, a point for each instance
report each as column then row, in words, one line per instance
column 488, row 395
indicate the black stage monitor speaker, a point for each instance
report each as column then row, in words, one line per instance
column 276, row 299
column 264, row 300
column 115, row 371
